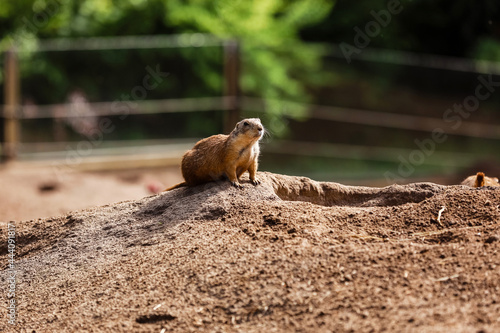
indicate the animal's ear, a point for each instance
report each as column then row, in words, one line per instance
column 479, row 179
column 495, row 179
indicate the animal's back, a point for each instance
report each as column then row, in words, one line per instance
column 203, row 163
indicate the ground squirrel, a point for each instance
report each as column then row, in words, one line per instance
column 479, row 180
column 224, row 156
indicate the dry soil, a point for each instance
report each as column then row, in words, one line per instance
column 289, row 255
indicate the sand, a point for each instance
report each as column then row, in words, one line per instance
column 289, row 255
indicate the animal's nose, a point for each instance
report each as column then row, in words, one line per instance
column 259, row 128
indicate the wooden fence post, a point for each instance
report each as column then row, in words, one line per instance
column 232, row 87
column 11, row 105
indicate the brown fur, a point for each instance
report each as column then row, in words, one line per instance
column 224, row 156
column 479, row 180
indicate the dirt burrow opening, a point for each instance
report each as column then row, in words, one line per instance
column 333, row 194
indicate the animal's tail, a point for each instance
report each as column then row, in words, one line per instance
column 183, row 184
column 479, row 179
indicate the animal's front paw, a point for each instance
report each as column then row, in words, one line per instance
column 237, row 185
column 255, row 181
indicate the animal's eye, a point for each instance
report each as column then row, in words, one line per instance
column 246, row 123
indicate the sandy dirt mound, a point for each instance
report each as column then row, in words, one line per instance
column 289, row 255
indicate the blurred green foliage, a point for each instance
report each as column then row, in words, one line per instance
column 487, row 49
column 445, row 27
column 277, row 64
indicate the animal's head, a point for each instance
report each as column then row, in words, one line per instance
column 482, row 180
column 479, row 180
column 251, row 127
